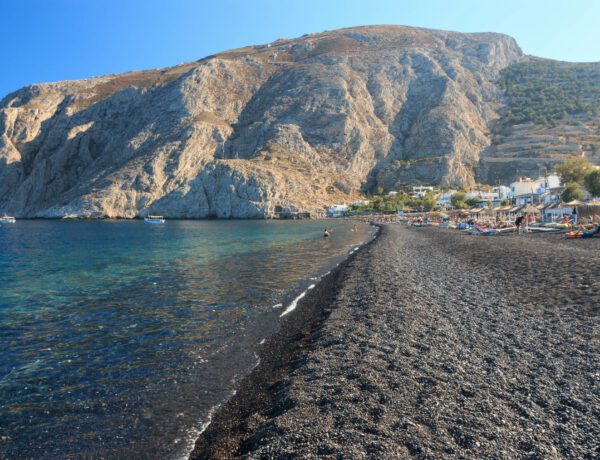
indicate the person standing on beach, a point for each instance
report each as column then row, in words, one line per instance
column 518, row 222
column 326, row 233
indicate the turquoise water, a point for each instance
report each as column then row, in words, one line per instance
column 117, row 338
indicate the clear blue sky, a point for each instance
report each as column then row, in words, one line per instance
column 49, row 40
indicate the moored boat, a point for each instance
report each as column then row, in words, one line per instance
column 154, row 219
column 7, row 220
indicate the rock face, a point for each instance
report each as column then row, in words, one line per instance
column 296, row 124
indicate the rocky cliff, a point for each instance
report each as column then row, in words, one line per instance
column 295, row 124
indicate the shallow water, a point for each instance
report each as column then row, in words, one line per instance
column 118, row 337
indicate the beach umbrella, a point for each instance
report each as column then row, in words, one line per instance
column 530, row 210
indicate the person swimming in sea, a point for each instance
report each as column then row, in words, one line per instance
column 326, row 233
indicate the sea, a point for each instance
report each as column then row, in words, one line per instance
column 120, row 338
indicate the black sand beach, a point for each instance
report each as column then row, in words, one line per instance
column 429, row 343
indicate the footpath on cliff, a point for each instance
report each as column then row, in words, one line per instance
column 436, row 344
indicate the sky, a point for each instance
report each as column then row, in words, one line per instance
column 52, row 40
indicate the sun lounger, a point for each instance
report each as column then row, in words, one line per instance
column 593, row 233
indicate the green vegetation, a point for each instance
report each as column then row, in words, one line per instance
column 592, row 182
column 472, row 202
column 573, row 191
column 544, row 91
column 459, row 200
column 574, row 169
column 577, row 173
column 400, row 201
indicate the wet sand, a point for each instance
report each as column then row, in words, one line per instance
column 430, row 343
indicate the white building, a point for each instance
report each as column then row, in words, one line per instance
column 422, row 188
column 419, row 191
column 503, row 192
column 543, row 190
column 551, row 181
column 524, row 186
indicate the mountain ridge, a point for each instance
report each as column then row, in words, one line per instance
column 293, row 125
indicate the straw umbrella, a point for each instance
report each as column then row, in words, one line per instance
column 529, row 209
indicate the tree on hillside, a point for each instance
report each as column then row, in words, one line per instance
column 592, row 182
column 429, row 201
column 458, row 200
column 574, row 170
column 378, row 203
column 573, row 191
column 472, row 202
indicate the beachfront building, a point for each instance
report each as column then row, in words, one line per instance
column 484, row 198
column 554, row 212
column 522, row 191
column 551, row 195
column 549, row 189
column 338, row 210
column 546, row 189
column 503, row 192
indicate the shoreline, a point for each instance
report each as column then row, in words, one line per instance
column 430, row 344
column 255, row 398
column 221, row 333
column 139, row 218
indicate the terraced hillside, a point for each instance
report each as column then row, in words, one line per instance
column 551, row 112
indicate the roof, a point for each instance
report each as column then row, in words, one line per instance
column 545, row 206
column 552, row 206
column 530, row 209
column 561, row 205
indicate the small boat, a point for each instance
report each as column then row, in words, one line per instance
column 7, row 220
column 154, row 219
